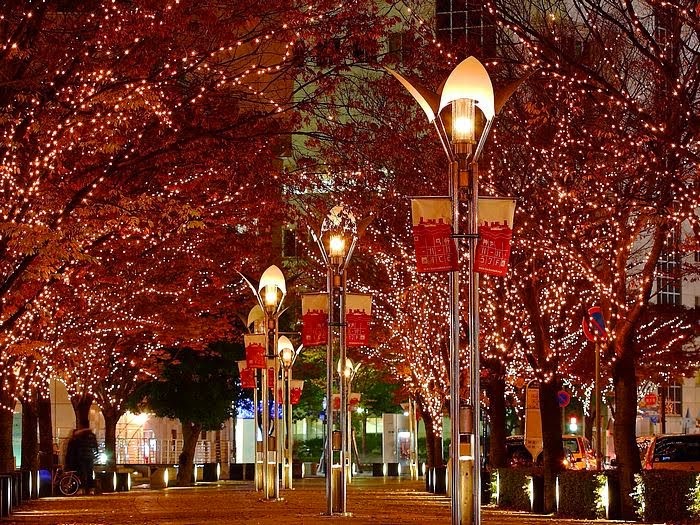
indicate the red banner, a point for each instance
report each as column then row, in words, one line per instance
column 353, row 401
column 295, row 389
column 255, row 350
column 358, row 314
column 495, row 234
column 314, row 329
column 432, row 235
column 247, row 375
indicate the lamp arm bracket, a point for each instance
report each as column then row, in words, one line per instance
column 255, row 292
column 349, row 256
column 318, row 241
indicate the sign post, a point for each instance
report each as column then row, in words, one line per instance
column 594, row 330
column 533, row 420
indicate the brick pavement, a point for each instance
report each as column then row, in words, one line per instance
column 370, row 500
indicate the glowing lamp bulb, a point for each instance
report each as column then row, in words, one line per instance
column 337, row 246
column 286, row 356
column 463, row 121
column 270, row 296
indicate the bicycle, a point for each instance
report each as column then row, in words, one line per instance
column 67, row 481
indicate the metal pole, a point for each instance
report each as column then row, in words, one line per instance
column 475, row 388
column 283, row 425
column 455, row 478
column 275, row 398
column 329, row 394
column 348, row 440
column 290, row 431
column 265, row 423
column 343, row 397
column 256, row 420
column 598, row 429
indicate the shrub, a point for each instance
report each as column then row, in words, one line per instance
column 667, row 495
column 580, row 494
column 308, row 450
column 512, row 486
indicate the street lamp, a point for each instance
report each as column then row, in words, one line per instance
column 337, row 244
column 287, row 355
column 256, row 319
column 270, row 295
column 467, row 86
column 347, row 374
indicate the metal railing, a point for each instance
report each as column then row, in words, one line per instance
column 167, row 451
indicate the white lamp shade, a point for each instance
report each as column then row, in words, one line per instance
column 256, row 314
column 285, row 348
column 470, row 80
column 273, row 277
column 348, row 367
column 422, row 101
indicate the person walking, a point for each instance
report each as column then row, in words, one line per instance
column 81, row 454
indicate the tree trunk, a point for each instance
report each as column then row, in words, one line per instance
column 81, row 407
column 185, row 471
column 433, row 443
column 30, row 436
column 46, row 449
column 497, row 412
column 628, row 462
column 551, row 442
column 111, row 416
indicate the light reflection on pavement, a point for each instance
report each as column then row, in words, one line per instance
column 370, row 500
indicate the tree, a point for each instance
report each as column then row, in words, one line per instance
column 634, row 65
column 124, row 130
column 197, row 388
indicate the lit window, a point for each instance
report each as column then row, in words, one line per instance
column 674, row 399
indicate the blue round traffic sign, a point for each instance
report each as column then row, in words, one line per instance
column 563, row 398
column 594, row 325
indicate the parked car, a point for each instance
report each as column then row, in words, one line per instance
column 577, row 449
column 643, row 443
column 581, row 452
column 517, row 454
column 674, row 452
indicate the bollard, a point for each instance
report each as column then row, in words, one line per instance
column 335, row 496
column 122, row 481
column 5, row 495
column 44, row 484
column 158, row 478
column 211, row 472
column 466, row 463
column 440, row 480
column 393, row 470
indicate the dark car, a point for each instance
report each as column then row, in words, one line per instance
column 519, row 456
column 674, row 452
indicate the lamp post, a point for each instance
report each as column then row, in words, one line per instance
column 467, row 86
column 256, row 318
column 287, row 355
column 270, row 295
column 347, row 374
column 337, row 244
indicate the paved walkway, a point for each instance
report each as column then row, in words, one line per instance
column 370, row 500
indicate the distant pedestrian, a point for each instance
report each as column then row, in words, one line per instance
column 81, row 454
